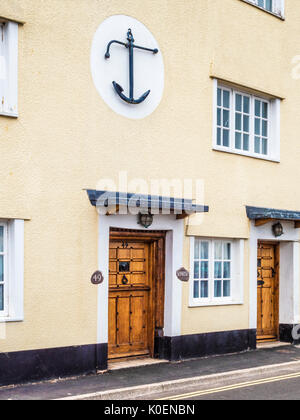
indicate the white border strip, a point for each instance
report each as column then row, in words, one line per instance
column 174, row 261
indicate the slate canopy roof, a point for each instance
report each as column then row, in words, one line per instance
column 150, row 202
column 260, row 213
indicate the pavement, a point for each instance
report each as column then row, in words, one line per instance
column 154, row 381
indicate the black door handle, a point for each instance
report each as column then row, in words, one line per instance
column 260, row 283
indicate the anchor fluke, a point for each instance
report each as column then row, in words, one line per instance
column 119, row 90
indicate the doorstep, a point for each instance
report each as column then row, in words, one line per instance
column 271, row 345
column 128, row 363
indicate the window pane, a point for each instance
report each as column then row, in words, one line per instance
column 1, row 297
column 265, row 110
column 196, row 290
column 219, row 117
column 246, row 124
column 264, row 146
column 196, row 270
column 257, row 108
column 238, row 122
column 226, row 138
column 257, row 126
column 1, row 268
column 269, row 5
column 257, row 145
column 227, row 270
column 218, row 270
column 246, row 142
column 218, row 288
column 204, row 289
column 246, row 107
column 204, row 270
column 218, row 250
column 197, row 249
column 238, row 102
column 219, row 136
column 226, row 288
column 226, row 99
column 226, row 119
column 238, row 140
column 204, row 251
column 1, row 238
column 219, row 97
column 265, row 128
column 227, row 251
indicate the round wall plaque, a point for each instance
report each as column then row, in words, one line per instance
column 183, row 275
column 97, row 278
column 148, row 67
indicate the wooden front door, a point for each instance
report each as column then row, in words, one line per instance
column 268, row 292
column 131, row 330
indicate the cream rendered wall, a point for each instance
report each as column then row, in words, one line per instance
column 65, row 140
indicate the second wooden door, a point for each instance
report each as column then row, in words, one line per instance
column 268, row 292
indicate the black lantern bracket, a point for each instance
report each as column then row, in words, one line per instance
column 130, row 46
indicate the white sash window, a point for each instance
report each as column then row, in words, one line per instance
column 272, row 6
column 217, row 272
column 3, row 270
column 9, row 69
column 11, row 270
column 245, row 123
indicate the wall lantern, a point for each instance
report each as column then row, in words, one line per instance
column 277, row 230
column 145, row 220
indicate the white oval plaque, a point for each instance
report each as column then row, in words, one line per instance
column 148, row 67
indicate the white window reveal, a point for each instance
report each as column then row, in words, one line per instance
column 11, row 270
column 246, row 124
column 217, row 272
column 272, row 6
column 9, row 69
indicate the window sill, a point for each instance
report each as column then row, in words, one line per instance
column 248, row 155
column 5, row 319
column 9, row 114
column 215, row 303
column 264, row 10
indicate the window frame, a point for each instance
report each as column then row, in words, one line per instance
column 9, row 90
column 262, row 100
column 234, row 111
column 5, row 282
column 14, row 237
column 222, row 261
column 237, row 274
column 273, row 122
column 211, row 272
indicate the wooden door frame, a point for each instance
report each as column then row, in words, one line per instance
column 277, row 279
column 157, row 242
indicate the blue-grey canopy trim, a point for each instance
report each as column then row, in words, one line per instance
column 175, row 205
column 258, row 213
